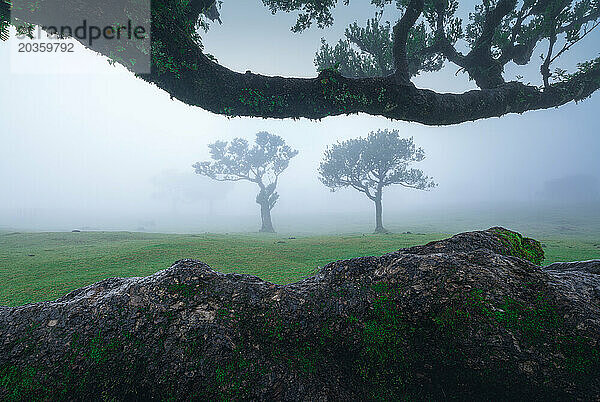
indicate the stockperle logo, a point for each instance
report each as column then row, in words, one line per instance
column 119, row 30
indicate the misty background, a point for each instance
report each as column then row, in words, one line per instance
column 86, row 145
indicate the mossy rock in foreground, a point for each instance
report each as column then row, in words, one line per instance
column 497, row 239
column 456, row 319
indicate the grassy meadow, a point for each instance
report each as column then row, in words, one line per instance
column 44, row 266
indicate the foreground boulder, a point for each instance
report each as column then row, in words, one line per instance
column 470, row 317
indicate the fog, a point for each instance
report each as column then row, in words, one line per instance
column 87, row 145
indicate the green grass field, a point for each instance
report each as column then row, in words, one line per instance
column 44, row 266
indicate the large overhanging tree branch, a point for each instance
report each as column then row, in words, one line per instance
column 425, row 35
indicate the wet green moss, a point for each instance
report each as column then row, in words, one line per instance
column 536, row 322
column 385, row 362
column 384, row 353
column 183, row 289
column 541, row 325
column 522, row 247
column 18, row 382
column 260, row 103
column 396, row 351
column 339, row 93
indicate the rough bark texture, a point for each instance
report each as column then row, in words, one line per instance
column 463, row 318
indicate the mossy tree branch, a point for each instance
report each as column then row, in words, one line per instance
column 181, row 68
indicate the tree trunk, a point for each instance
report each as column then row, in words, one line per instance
column 265, row 215
column 378, row 220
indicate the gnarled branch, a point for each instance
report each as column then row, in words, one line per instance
column 220, row 90
column 401, row 31
column 195, row 79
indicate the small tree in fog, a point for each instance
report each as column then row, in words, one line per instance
column 370, row 164
column 261, row 163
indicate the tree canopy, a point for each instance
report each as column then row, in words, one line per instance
column 370, row 71
column 369, row 164
column 261, row 163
